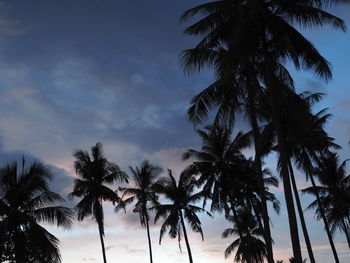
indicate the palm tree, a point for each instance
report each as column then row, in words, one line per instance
column 25, row 202
column 231, row 99
column 250, row 248
column 94, row 173
column 181, row 207
column 228, row 177
column 143, row 179
column 306, row 138
column 305, row 133
column 219, row 161
column 333, row 193
column 260, row 34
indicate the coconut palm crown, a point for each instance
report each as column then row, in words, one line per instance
column 26, row 201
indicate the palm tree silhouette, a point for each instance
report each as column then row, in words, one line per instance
column 25, row 202
column 143, row 179
column 219, row 160
column 333, row 193
column 223, row 169
column 229, row 178
column 250, row 248
column 311, row 138
column 181, row 207
column 94, row 173
column 306, row 139
column 305, row 134
column 240, row 95
column 260, row 34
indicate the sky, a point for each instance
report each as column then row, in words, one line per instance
column 73, row 73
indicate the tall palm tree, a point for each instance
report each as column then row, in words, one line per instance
column 26, row 201
column 306, row 138
column 240, row 95
column 143, row 179
column 250, row 248
column 182, row 198
column 261, row 33
column 306, row 141
column 333, row 193
column 94, row 173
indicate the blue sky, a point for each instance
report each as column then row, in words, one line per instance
column 73, row 73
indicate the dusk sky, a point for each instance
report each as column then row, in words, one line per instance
column 73, row 73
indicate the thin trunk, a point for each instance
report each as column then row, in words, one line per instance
column 19, row 248
column 102, row 244
column 258, row 218
column 149, row 241
column 330, row 238
column 346, row 232
column 301, row 216
column 234, row 212
column 283, row 152
column 348, row 220
column 257, row 214
column 282, row 149
column 186, row 239
column 238, row 226
column 258, row 166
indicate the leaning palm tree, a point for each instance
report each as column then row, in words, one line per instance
column 250, row 248
column 94, row 173
column 26, row 201
column 143, row 179
column 181, row 207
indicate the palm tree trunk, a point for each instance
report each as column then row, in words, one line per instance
column 234, row 212
column 301, row 215
column 258, row 166
column 149, row 241
column 19, row 248
column 186, row 239
column 348, row 220
column 330, row 238
column 102, row 244
column 282, row 148
column 345, row 229
column 257, row 214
